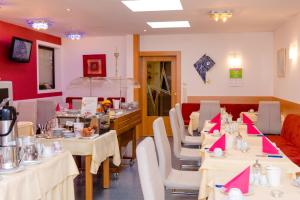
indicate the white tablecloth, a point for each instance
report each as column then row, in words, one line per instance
column 50, row 180
column 100, row 148
column 235, row 161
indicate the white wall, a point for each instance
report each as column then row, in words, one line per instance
column 73, row 63
column 256, row 50
column 286, row 36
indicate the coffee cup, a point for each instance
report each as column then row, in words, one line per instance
column 273, row 175
column 218, row 152
column 235, row 194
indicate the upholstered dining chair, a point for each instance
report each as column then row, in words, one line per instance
column 185, row 138
column 173, row 179
column 150, row 178
column 208, row 109
column 182, row 153
column 269, row 117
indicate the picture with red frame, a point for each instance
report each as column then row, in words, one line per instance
column 94, row 65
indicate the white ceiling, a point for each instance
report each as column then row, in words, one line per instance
column 111, row 17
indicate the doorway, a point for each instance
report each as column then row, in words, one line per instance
column 160, row 87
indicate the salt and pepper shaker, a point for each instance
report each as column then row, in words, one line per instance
column 256, row 172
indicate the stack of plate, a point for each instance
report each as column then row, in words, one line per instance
column 57, row 132
column 68, row 134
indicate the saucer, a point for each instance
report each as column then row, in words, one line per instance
column 31, row 162
column 250, row 192
column 12, row 171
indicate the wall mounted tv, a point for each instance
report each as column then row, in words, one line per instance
column 20, row 50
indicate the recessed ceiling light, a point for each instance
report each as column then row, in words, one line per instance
column 222, row 15
column 152, row 5
column 68, row 9
column 145, row 30
column 39, row 24
column 74, row 35
column 170, row 24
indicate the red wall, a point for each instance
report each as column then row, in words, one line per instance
column 23, row 75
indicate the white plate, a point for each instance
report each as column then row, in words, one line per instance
column 11, row 171
column 31, row 162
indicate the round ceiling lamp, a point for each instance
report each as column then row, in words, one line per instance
column 74, row 35
column 39, row 24
column 222, row 15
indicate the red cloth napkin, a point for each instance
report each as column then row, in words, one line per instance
column 57, row 108
column 267, row 147
column 246, row 119
column 241, row 181
column 220, row 143
column 216, row 119
column 215, row 127
column 252, row 130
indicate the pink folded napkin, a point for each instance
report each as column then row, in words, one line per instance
column 246, row 119
column 217, row 126
column 252, row 130
column 267, row 146
column 220, row 143
column 216, row 119
column 241, row 181
column 57, row 108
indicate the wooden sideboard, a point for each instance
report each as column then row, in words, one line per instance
column 125, row 126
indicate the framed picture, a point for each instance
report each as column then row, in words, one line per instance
column 281, row 62
column 94, row 65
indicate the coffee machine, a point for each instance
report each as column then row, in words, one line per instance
column 9, row 158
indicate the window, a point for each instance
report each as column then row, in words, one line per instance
column 46, row 60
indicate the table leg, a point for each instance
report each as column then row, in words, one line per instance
column 88, row 178
column 133, row 143
column 106, row 176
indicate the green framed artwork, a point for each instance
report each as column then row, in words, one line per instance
column 235, row 73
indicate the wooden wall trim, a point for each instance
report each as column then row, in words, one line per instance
column 231, row 99
column 288, row 107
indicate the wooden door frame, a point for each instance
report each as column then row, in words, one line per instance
column 138, row 72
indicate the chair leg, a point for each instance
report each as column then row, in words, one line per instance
column 177, row 192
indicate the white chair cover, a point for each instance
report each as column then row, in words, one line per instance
column 269, row 117
column 173, row 179
column 185, row 138
column 208, row 110
column 176, row 132
column 163, row 147
column 150, row 178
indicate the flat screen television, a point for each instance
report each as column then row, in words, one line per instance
column 20, row 50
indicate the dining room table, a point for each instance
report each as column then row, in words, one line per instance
column 50, row 179
column 194, row 120
column 95, row 150
column 216, row 170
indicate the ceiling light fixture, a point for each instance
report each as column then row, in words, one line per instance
column 152, row 5
column 170, row 24
column 39, row 24
column 74, row 35
column 223, row 15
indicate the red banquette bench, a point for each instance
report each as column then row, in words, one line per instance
column 289, row 139
column 233, row 109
